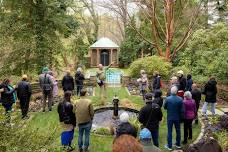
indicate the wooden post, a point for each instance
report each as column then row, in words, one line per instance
column 117, row 56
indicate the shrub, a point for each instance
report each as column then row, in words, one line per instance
column 150, row 64
column 102, row 131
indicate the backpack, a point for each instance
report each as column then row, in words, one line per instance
column 46, row 86
column 14, row 97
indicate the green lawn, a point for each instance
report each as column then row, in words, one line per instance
column 45, row 122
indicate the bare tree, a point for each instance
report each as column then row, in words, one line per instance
column 119, row 8
column 89, row 22
column 163, row 30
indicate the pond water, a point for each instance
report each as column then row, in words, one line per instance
column 104, row 119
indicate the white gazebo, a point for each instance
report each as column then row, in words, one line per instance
column 104, row 52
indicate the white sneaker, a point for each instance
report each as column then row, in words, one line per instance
column 167, row 147
column 177, row 147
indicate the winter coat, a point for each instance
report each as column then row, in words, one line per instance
column 68, row 83
column 156, row 83
column 79, row 78
column 126, row 128
column 157, row 98
column 189, row 85
column 66, row 114
column 210, row 91
column 7, row 96
column 150, row 116
column 196, row 95
column 174, row 107
column 45, row 81
column 189, row 109
column 24, row 89
column 182, row 83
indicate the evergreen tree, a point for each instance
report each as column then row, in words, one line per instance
column 34, row 29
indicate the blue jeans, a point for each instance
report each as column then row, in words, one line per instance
column 204, row 108
column 84, row 129
column 176, row 123
column 154, row 134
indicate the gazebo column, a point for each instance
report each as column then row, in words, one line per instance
column 98, row 56
column 111, row 60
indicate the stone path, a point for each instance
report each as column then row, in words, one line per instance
column 225, row 110
column 217, row 112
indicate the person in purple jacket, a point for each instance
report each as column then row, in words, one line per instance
column 189, row 114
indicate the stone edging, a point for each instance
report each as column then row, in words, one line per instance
column 201, row 132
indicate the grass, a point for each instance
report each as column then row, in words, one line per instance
column 120, row 92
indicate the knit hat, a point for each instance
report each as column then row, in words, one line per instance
column 145, row 134
column 124, row 117
column 45, row 70
column 180, row 72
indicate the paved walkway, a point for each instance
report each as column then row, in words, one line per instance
column 224, row 110
column 217, row 111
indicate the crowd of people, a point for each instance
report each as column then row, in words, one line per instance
column 182, row 102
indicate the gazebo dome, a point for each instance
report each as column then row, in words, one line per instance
column 104, row 42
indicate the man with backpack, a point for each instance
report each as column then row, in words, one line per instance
column 150, row 116
column 46, row 85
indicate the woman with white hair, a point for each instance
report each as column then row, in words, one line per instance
column 125, row 127
column 190, row 114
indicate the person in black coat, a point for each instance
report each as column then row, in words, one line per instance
column 68, row 82
column 210, row 92
column 196, row 95
column 156, row 85
column 150, row 116
column 182, row 80
column 189, row 83
column 7, row 95
column 158, row 98
column 24, row 92
column 79, row 78
column 67, row 119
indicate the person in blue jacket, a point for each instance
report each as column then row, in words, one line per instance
column 175, row 112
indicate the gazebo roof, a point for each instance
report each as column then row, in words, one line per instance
column 104, row 42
